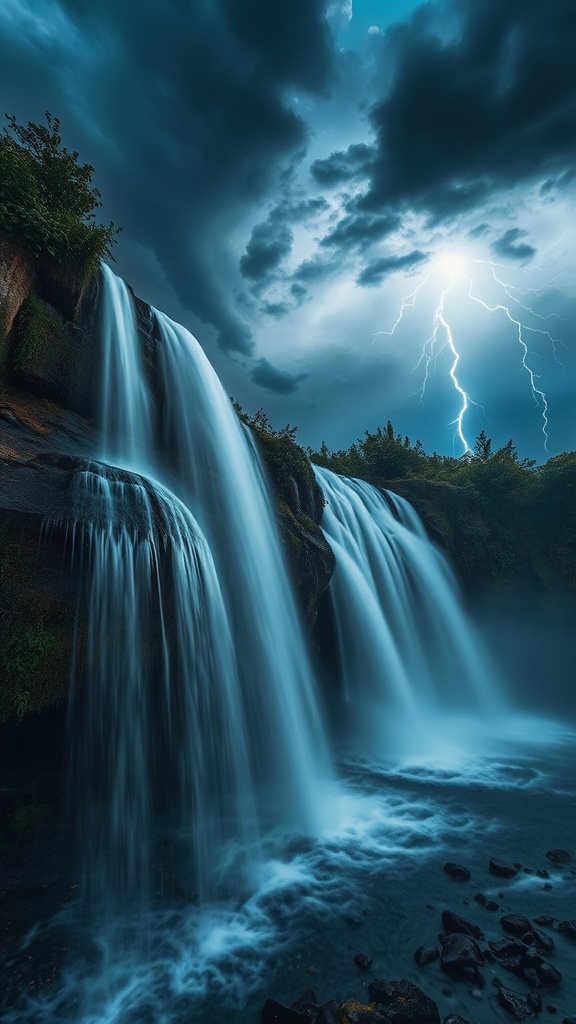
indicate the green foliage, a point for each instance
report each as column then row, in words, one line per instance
column 47, row 200
column 36, row 635
column 288, row 465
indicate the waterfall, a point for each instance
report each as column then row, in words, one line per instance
column 161, row 719
column 408, row 658
column 199, row 698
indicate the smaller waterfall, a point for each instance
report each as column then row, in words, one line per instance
column 160, row 720
column 408, row 657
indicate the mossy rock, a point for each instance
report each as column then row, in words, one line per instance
column 37, row 620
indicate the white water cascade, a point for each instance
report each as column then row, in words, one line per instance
column 220, row 722
column 412, row 669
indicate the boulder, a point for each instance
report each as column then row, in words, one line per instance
column 452, row 922
column 519, row 1007
column 558, row 857
column 401, row 1002
column 426, row 955
column 363, row 961
column 515, row 924
column 461, row 957
column 457, row 872
column 501, row 868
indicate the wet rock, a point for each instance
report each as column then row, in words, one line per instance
column 502, row 868
column 507, row 947
column 307, row 1005
column 329, row 1013
column 457, row 872
column 568, row 928
column 481, row 899
column 492, row 905
column 353, row 1012
column 535, row 1001
column 558, row 857
column 569, row 1020
column 515, row 924
column 516, row 1005
column 461, row 957
column 452, row 923
column 542, row 873
column 539, row 939
column 544, row 921
column 405, row 1003
column 274, row 1012
column 531, row 978
column 363, row 961
column 454, row 1018
column 548, row 974
column 426, row 955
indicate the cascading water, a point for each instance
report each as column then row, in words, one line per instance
column 230, row 695
column 408, row 657
column 150, row 746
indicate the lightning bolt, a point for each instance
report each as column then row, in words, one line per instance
column 441, row 339
column 508, row 292
column 537, row 394
column 432, row 349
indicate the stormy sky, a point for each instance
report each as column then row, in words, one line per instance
column 363, row 209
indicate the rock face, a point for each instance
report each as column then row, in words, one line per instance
column 16, row 275
column 300, row 504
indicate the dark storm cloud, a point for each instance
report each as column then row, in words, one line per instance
column 273, row 379
column 376, row 271
column 277, row 310
column 269, row 244
column 314, row 269
column 342, row 167
column 510, row 247
column 361, row 230
column 181, row 108
column 492, row 105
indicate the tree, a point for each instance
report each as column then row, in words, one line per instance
column 483, row 446
column 47, row 200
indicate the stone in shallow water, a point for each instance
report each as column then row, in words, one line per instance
column 426, row 955
column 515, row 924
column 568, row 928
column 519, row 1007
column 452, row 922
column 363, row 961
column 454, row 1018
column 501, row 868
column 548, row 974
column 557, row 857
column 539, row 939
column 404, row 1002
column 457, row 872
column 462, row 957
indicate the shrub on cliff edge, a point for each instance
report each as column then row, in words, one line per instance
column 47, row 200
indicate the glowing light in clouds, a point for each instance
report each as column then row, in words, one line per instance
column 452, row 267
